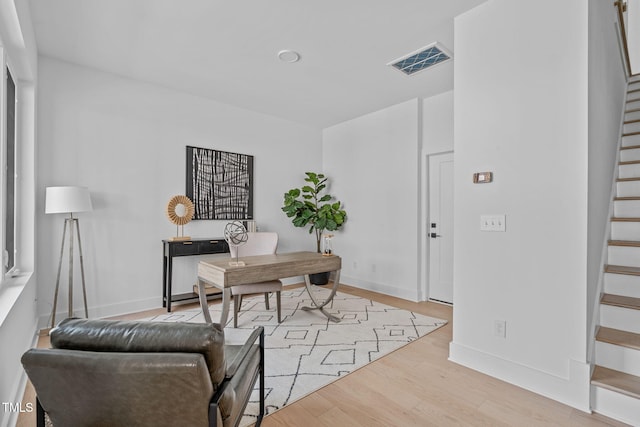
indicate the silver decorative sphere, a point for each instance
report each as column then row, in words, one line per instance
column 235, row 233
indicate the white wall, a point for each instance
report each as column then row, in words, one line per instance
column 633, row 31
column 607, row 85
column 125, row 140
column 521, row 88
column 437, row 123
column 373, row 163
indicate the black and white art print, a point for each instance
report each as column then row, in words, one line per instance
column 220, row 184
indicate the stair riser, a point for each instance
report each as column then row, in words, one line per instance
column 630, row 127
column 633, row 102
column 625, row 230
column 632, row 116
column 615, row 405
column 622, row 284
column 630, row 140
column 628, row 189
column 616, row 357
column 624, row 255
column 626, row 208
column 620, row 318
column 630, row 155
column 629, row 171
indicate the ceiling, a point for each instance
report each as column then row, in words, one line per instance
column 227, row 50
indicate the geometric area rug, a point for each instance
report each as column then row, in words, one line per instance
column 307, row 351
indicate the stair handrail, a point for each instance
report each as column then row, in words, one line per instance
column 622, row 8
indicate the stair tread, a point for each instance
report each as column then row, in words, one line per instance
column 628, row 122
column 627, row 198
column 620, row 301
column 619, row 337
column 633, row 243
column 630, row 147
column 617, row 381
column 629, row 162
column 633, row 110
column 625, row 219
column 628, row 179
column 621, row 269
column 632, row 133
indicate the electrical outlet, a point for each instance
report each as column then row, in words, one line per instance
column 500, row 328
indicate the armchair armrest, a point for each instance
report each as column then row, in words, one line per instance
column 247, row 365
column 244, row 351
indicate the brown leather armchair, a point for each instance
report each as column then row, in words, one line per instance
column 116, row 373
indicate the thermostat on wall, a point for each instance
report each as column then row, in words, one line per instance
column 482, row 177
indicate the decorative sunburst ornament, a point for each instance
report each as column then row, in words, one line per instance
column 235, row 234
column 180, row 211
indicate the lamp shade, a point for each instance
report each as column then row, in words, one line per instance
column 67, row 200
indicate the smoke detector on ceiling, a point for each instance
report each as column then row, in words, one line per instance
column 422, row 59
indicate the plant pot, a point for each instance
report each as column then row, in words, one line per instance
column 319, row 278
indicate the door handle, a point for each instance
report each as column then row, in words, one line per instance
column 434, row 235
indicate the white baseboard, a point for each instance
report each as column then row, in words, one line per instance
column 106, row 310
column 408, row 294
column 151, row 303
column 573, row 391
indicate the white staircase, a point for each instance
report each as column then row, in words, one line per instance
column 615, row 382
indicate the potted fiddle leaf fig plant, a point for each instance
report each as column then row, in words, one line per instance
column 311, row 206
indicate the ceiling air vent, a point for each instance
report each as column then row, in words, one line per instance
column 421, row 59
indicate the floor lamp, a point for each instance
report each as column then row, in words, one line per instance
column 68, row 200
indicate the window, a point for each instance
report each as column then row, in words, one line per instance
column 10, row 173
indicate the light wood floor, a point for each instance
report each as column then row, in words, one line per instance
column 413, row 386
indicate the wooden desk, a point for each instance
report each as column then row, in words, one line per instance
column 172, row 249
column 262, row 268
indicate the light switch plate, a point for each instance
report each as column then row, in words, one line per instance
column 493, row 223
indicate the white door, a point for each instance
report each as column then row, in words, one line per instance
column 440, row 227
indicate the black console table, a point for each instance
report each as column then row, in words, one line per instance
column 191, row 247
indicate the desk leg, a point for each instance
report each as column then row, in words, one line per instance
column 320, row 306
column 226, row 302
column 202, row 294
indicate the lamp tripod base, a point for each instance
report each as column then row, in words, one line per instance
column 70, row 223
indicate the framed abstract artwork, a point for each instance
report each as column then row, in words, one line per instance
column 220, row 184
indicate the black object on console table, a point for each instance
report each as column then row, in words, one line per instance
column 191, row 247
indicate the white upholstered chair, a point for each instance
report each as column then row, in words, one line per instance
column 258, row 243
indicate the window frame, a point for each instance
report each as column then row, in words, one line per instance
column 9, row 173
column 8, row 204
